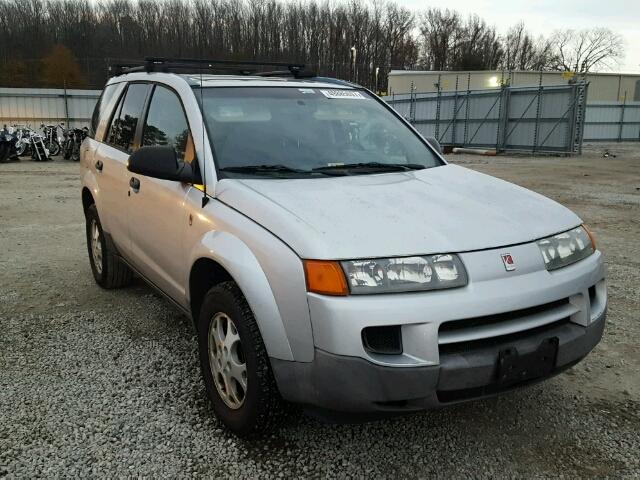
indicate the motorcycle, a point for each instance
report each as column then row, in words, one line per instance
column 51, row 141
column 39, row 152
column 8, row 141
column 23, row 136
column 73, row 138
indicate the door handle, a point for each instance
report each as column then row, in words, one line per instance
column 134, row 183
column 99, row 165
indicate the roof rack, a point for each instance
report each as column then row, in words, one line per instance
column 241, row 67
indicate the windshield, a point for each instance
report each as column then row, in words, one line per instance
column 288, row 131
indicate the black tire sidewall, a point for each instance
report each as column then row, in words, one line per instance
column 91, row 215
column 242, row 420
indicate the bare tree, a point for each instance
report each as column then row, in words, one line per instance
column 440, row 30
column 586, row 50
column 451, row 43
column 523, row 52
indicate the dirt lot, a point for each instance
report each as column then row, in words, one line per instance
column 107, row 382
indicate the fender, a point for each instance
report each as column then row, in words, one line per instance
column 239, row 261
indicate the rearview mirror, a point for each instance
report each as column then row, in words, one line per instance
column 162, row 162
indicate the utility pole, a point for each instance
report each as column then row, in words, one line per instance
column 353, row 64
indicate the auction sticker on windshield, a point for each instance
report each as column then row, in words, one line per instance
column 347, row 94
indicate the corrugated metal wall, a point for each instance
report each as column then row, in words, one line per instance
column 33, row 106
column 535, row 119
column 612, row 121
column 602, row 86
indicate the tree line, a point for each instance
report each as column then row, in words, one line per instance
column 56, row 43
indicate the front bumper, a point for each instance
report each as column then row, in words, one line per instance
column 450, row 339
column 348, row 384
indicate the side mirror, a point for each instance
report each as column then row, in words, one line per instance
column 161, row 162
column 435, row 144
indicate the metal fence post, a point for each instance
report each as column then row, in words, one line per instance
column 455, row 114
column 505, row 103
column 66, row 106
column 437, row 132
column 499, row 124
column 536, row 131
column 624, row 102
column 570, row 133
column 412, row 104
column 466, row 113
column 582, row 114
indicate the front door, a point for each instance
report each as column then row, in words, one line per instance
column 157, row 217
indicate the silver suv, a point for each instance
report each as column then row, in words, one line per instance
column 326, row 252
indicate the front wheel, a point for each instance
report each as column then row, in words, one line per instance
column 53, row 147
column 235, row 365
column 21, row 148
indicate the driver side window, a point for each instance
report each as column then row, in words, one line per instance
column 166, row 124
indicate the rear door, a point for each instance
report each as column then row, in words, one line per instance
column 111, row 163
column 99, row 121
column 157, row 216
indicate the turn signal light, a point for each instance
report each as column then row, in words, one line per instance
column 591, row 237
column 325, row 277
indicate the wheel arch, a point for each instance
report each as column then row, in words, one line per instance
column 221, row 257
column 87, row 199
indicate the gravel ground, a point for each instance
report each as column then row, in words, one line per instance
column 106, row 383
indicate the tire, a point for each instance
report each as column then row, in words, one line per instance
column 67, row 149
column 4, row 152
column 108, row 270
column 262, row 407
column 21, row 148
column 53, row 147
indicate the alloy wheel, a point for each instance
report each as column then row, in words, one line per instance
column 227, row 360
column 96, row 246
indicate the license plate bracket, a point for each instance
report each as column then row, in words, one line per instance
column 516, row 368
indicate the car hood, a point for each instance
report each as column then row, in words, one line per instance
column 438, row 210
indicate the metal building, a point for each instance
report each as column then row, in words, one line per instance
column 603, row 87
column 33, row 106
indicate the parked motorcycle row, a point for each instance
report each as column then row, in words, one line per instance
column 19, row 140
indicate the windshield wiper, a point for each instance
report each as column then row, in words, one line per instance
column 376, row 166
column 263, row 169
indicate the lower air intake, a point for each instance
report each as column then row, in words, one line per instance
column 383, row 340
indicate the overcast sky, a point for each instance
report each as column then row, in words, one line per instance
column 545, row 16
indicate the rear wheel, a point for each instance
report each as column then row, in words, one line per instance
column 108, row 270
column 75, row 152
column 235, row 365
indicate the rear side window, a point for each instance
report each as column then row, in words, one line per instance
column 99, row 110
column 125, row 121
column 166, row 124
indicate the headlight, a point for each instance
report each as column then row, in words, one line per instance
column 406, row 274
column 566, row 248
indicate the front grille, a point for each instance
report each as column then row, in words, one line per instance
column 385, row 340
column 488, row 330
column 469, row 346
column 499, row 318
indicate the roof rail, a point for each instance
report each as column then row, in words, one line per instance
column 338, row 81
column 242, row 67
